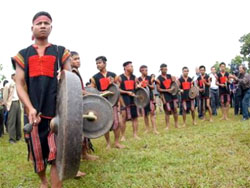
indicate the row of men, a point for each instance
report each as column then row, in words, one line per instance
column 37, row 68
column 128, row 82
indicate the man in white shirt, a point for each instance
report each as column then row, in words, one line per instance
column 12, row 103
column 214, row 91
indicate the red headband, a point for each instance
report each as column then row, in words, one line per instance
column 42, row 18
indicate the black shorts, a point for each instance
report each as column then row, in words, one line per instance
column 170, row 106
column 149, row 108
column 131, row 112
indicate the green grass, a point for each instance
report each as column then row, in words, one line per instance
column 207, row 155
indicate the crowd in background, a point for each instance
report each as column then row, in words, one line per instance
column 10, row 107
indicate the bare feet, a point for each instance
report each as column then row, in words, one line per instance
column 123, row 139
column 119, row 146
column 203, row 119
column 90, row 157
column 108, row 146
column 167, row 128
column 146, row 131
column 137, row 137
column 80, row 174
column 44, row 184
column 177, row 126
column 156, row 132
column 194, row 123
column 184, row 125
column 211, row 120
column 223, row 118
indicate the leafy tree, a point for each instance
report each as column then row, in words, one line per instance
column 217, row 66
column 245, row 48
column 235, row 63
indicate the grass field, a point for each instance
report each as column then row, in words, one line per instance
column 207, row 155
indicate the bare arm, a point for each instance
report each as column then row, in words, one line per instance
column 137, row 83
column 179, row 84
column 218, row 84
column 92, row 83
column 116, row 80
column 24, row 97
column 152, row 86
column 159, row 89
column 208, row 83
column 121, row 90
column 192, row 84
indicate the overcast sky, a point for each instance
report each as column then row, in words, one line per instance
column 178, row 33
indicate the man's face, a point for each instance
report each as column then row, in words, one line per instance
column 129, row 68
column 164, row 70
column 222, row 68
column 202, row 71
column 144, row 71
column 100, row 64
column 75, row 61
column 213, row 70
column 185, row 72
column 241, row 70
column 41, row 29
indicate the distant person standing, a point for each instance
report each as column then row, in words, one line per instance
column 245, row 84
column 224, row 92
column 214, row 91
column 204, row 82
column 238, row 92
column 12, row 103
column 185, row 84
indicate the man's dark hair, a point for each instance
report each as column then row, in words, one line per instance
column 222, row 63
column 243, row 67
column 143, row 67
column 202, row 66
column 72, row 53
column 103, row 58
column 41, row 13
column 185, row 68
column 163, row 65
column 5, row 82
column 127, row 63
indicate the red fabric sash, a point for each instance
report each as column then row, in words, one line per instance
column 41, row 66
column 167, row 83
column 129, row 84
column 104, row 82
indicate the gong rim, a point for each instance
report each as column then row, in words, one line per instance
column 102, row 108
column 69, row 136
